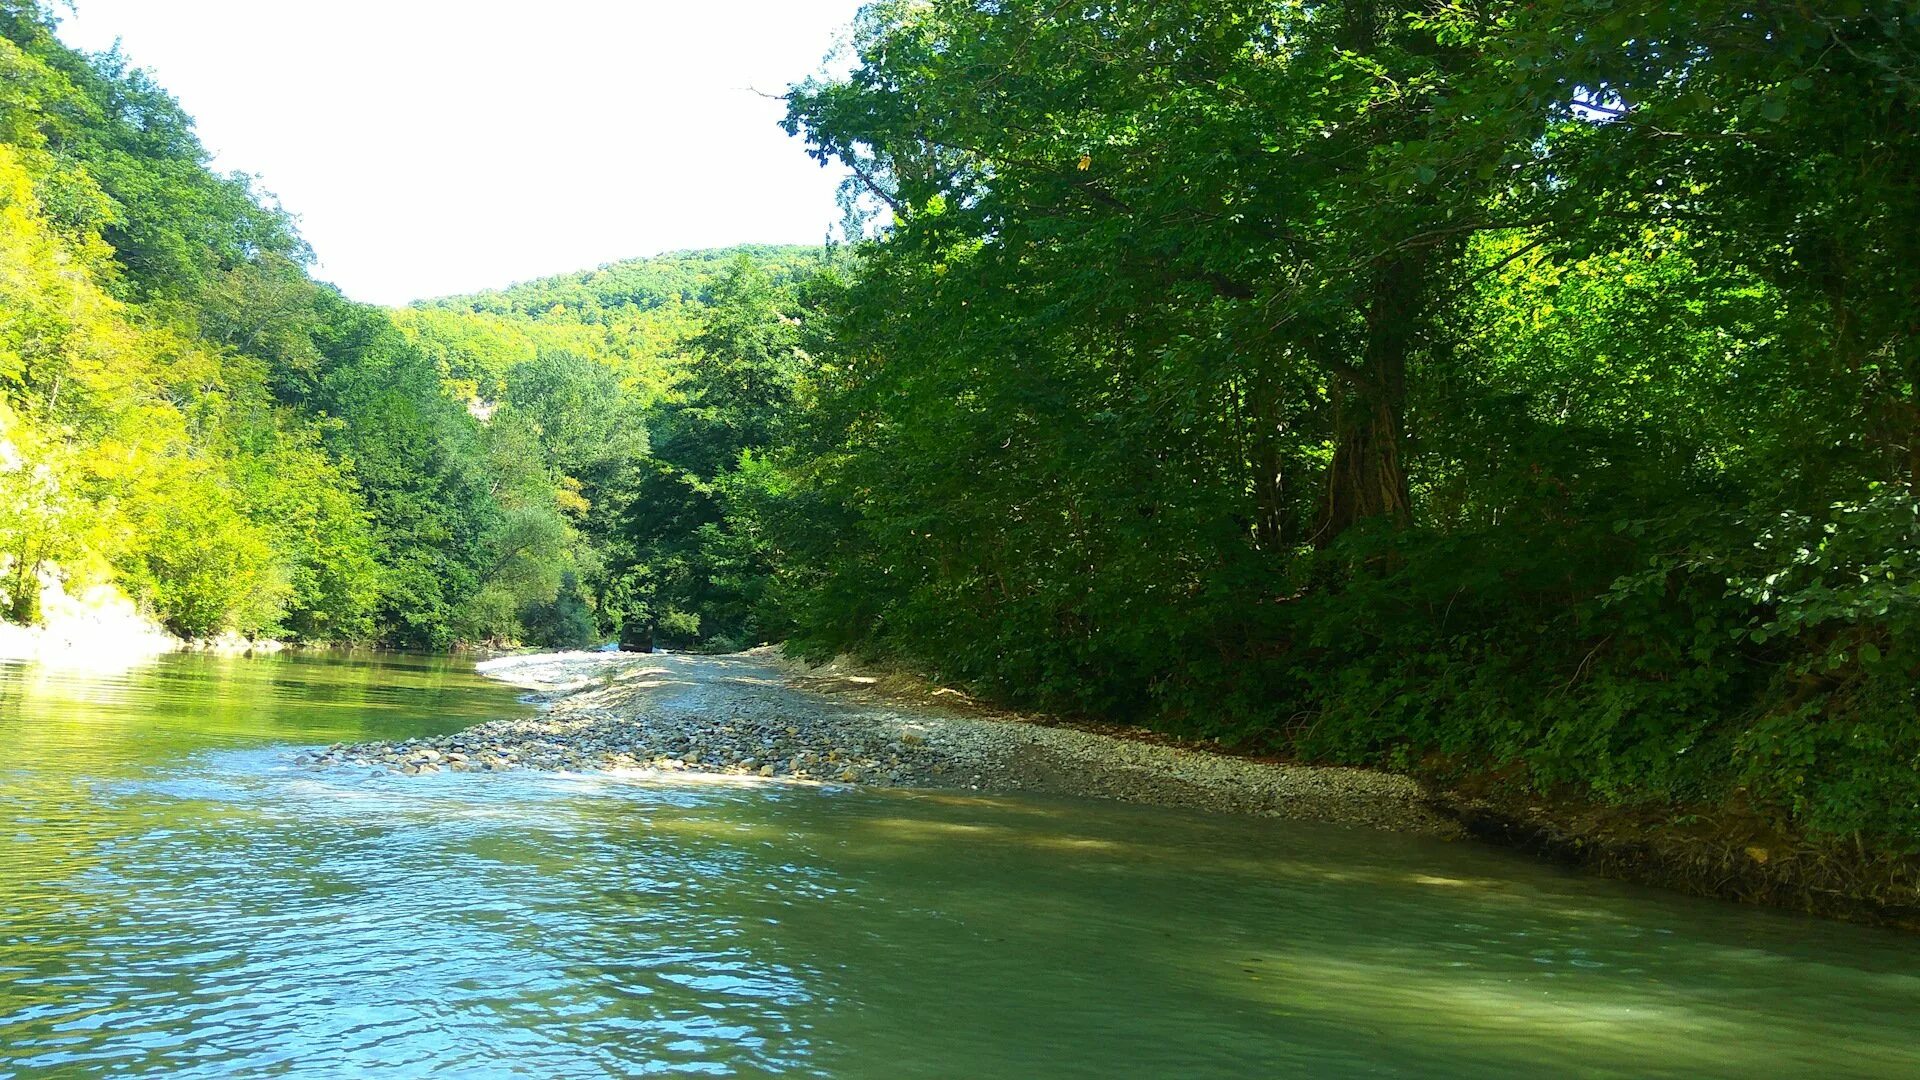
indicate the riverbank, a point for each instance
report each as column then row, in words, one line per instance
column 68, row 645
column 759, row 716
column 1721, row 853
column 100, row 628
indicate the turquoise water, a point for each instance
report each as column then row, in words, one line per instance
column 178, row 898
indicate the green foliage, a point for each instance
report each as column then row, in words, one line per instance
column 171, row 221
column 1511, row 389
column 197, row 560
column 609, row 296
column 1523, row 390
column 565, row 622
column 189, row 415
column 688, row 555
column 628, row 402
column 322, row 532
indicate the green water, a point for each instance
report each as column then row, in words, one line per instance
column 178, row 898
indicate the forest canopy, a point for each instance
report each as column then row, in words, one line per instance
column 1515, row 389
column 186, row 414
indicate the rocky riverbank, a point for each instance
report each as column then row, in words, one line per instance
column 758, row 717
column 95, row 627
column 98, row 628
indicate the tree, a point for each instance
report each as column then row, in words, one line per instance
column 1390, row 383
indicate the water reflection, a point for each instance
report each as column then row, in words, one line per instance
column 178, row 898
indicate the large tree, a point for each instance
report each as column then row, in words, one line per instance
column 1261, row 194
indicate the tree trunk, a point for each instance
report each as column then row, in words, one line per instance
column 23, row 607
column 1367, row 478
column 1268, row 464
column 1890, row 392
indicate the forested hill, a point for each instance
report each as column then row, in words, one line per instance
column 650, row 391
column 186, row 415
column 635, row 315
column 602, row 294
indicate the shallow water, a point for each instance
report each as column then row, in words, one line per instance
column 177, row 897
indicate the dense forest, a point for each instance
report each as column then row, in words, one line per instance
column 1525, row 391
column 650, row 392
column 185, row 413
column 1529, row 390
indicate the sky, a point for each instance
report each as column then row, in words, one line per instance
column 431, row 147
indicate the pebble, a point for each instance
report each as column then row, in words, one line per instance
column 706, row 718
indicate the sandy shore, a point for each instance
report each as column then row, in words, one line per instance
column 757, row 715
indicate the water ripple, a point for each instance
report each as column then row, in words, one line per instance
column 177, row 898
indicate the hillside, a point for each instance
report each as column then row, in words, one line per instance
column 188, row 418
column 682, row 277
column 634, row 316
column 646, row 386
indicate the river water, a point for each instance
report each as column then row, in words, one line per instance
column 178, row 898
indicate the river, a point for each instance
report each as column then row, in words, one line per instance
column 179, row 898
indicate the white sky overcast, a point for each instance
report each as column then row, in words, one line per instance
column 431, row 147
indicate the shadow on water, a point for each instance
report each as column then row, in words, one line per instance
column 177, row 898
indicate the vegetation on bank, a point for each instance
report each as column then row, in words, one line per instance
column 1525, row 389
column 1522, row 393
column 185, row 413
column 651, row 390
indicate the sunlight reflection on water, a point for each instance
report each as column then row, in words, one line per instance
column 176, row 897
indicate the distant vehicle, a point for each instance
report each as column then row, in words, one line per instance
column 637, row 638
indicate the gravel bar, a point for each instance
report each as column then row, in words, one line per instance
column 759, row 715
